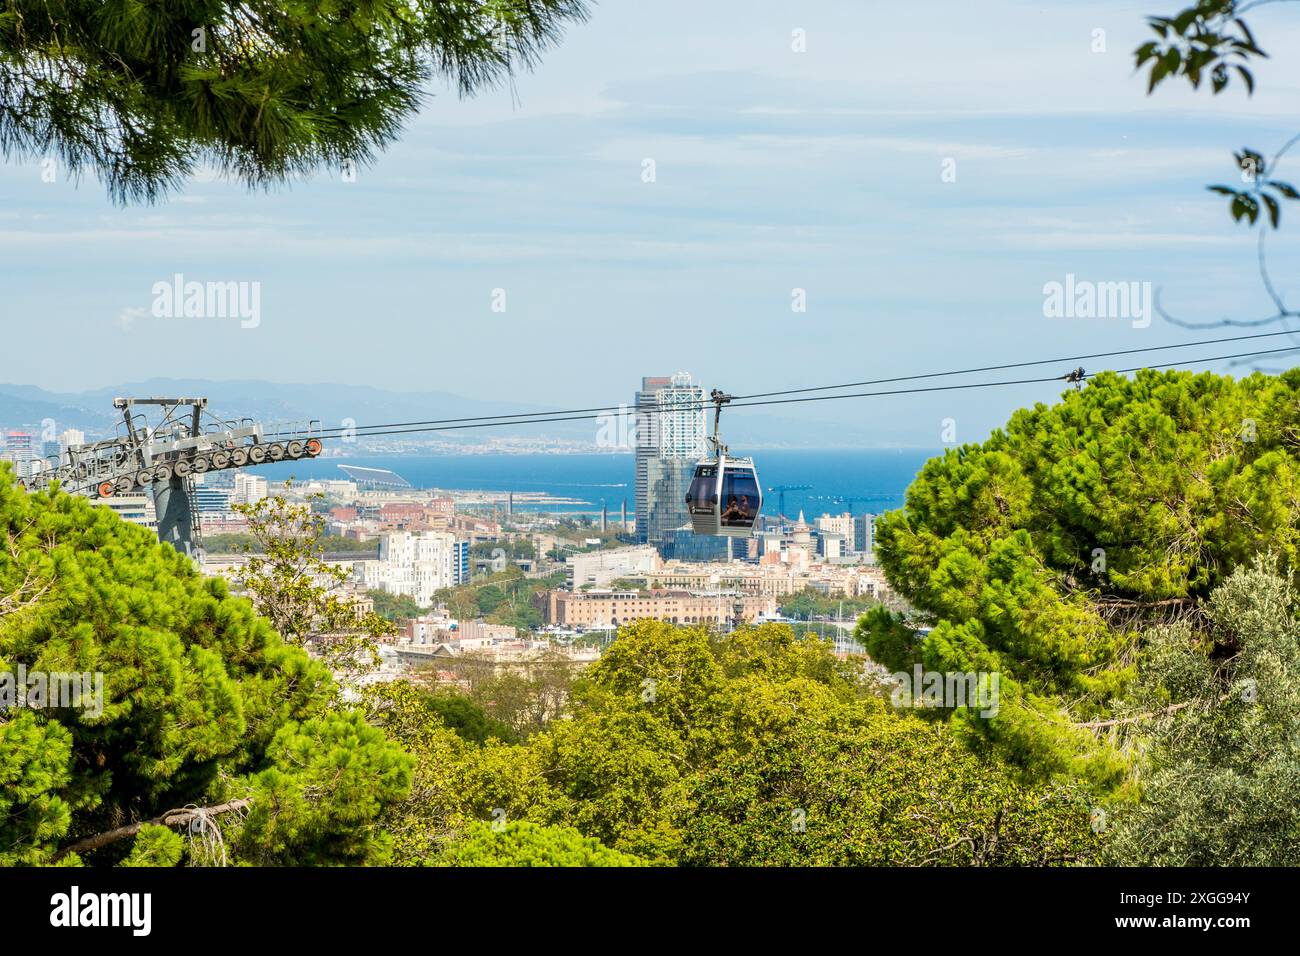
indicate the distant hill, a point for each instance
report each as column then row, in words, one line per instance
column 92, row 411
column 330, row 403
column 27, row 406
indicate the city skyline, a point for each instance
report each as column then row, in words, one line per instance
column 802, row 178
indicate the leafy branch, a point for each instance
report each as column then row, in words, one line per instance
column 289, row 581
column 1204, row 39
column 1211, row 38
column 1246, row 202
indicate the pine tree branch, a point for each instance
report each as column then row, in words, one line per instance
column 169, row 819
column 1150, row 715
column 27, row 594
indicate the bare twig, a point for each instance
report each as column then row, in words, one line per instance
column 26, row 594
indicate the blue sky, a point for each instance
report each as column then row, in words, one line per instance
column 774, row 170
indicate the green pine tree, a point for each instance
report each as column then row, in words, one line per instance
column 210, row 723
column 143, row 94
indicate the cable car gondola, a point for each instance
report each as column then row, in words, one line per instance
column 725, row 496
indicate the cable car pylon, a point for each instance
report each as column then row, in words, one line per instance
column 163, row 458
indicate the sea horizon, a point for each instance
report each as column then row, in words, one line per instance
column 861, row 480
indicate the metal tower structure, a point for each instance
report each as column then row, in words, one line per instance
column 162, row 458
column 848, row 501
column 781, row 490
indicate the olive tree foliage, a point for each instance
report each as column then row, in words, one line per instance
column 1044, row 552
column 209, row 725
column 290, row 583
column 143, row 93
column 528, row 844
column 1219, row 711
column 682, row 747
column 873, row 789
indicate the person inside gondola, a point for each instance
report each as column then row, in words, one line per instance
column 739, row 511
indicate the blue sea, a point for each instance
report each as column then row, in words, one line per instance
column 875, row 478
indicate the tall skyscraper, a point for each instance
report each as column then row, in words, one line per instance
column 667, row 481
column 670, row 432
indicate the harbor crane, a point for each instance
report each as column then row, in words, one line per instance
column 162, row 458
column 848, row 501
column 780, row 492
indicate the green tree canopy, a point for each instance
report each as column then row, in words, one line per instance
column 863, row 787
column 1219, row 712
column 468, row 719
column 528, row 844
column 203, row 705
column 683, row 747
column 395, row 607
column 1042, row 553
column 810, row 603
column 302, row 594
column 488, row 598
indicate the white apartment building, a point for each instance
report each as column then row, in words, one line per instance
column 776, row 580
column 837, row 524
column 135, row 507
column 249, row 489
column 831, row 546
column 70, row 438
column 601, row 568
column 416, row 564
